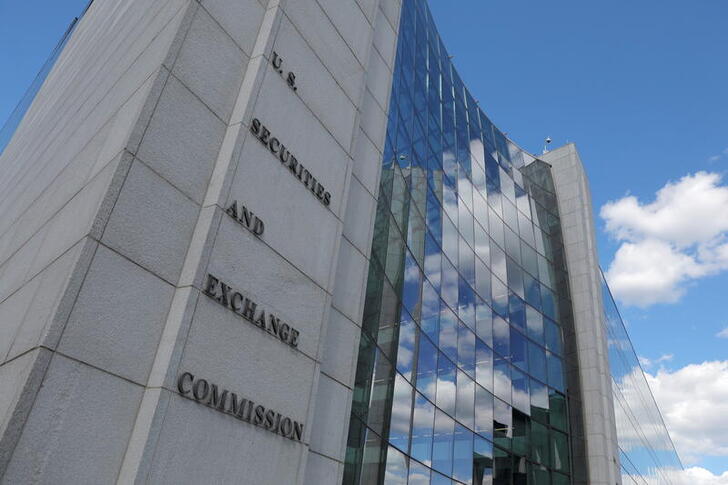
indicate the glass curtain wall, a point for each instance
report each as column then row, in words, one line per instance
column 460, row 375
column 647, row 454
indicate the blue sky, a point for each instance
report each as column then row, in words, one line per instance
column 641, row 87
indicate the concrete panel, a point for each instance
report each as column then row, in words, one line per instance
column 241, row 19
column 157, row 241
column 210, row 64
column 245, row 263
column 117, row 320
column 182, row 140
column 60, row 443
column 200, row 445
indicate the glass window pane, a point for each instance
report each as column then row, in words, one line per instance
column 482, row 462
column 557, row 410
column 449, row 284
column 427, row 368
column 418, row 474
column 501, row 336
column 443, row 443
column 520, row 471
column 539, row 401
column 484, row 322
column 540, row 444
column 466, row 349
column 517, row 312
column 559, row 479
column 553, row 337
column 406, row 351
column 502, row 467
column 521, row 433
column 498, row 263
column 466, row 262
column 399, row 424
column 396, row 471
column 463, row 455
column 560, row 451
column 432, row 262
column 422, row 429
column 483, row 365
column 482, row 279
column 502, row 378
column 521, row 397
column 500, row 296
column 537, row 361
column 556, row 371
column 430, row 311
column 448, row 340
column 446, row 372
column 372, row 459
column 484, row 412
column 519, row 350
column 466, row 305
column 502, row 423
column 534, row 321
column 465, row 412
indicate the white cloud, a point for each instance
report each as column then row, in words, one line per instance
column 650, row 362
column 723, row 333
column 717, row 157
column 692, row 476
column 701, row 476
column 694, row 404
column 670, row 242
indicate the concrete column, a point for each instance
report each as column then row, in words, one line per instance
column 596, row 423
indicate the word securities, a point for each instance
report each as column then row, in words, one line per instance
column 286, row 157
column 249, row 310
column 227, row 402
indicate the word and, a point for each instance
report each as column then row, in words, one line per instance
column 246, row 218
column 228, row 402
column 277, row 62
column 249, row 310
column 286, row 157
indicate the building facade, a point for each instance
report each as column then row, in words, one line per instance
column 278, row 241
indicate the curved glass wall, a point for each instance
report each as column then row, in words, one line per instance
column 647, row 454
column 460, row 377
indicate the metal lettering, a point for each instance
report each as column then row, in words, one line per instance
column 269, row 416
column 294, row 337
column 217, row 400
column 235, row 301
column 210, row 285
column 197, row 393
column 260, row 321
column 297, row 431
column 274, row 324
column 287, row 158
column 224, row 297
column 247, row 217
column 259, row 415
column 283, row 332
column 215, row 397
column 249, row 309
column 286, row 427
column 255, row 126
column 232, row 211
column 181, row 383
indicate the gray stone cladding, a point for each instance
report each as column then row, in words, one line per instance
column 115, row 198
column 592, row 419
